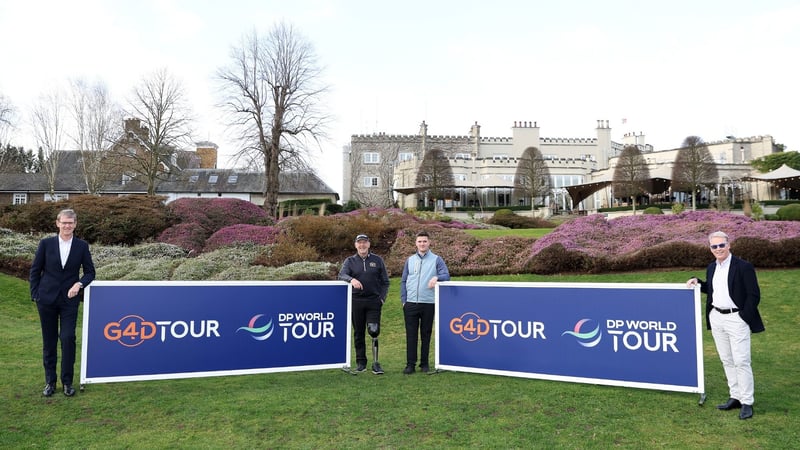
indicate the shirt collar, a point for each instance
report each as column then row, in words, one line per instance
column 725, row 262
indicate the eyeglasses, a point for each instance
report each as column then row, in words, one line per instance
column 716, row 246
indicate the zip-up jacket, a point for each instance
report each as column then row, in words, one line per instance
column 371, row 272
column 417, row 271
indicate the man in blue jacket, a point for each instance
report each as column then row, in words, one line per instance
column 732, row 315
column 366, row 273
column 56, row 286
column 421, row 272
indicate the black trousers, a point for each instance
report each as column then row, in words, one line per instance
column 419, row 321
column 364, row 311
column 58, row 321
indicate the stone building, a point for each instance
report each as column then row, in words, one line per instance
column 381, row 169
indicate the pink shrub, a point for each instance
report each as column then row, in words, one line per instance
column 242, row 233
column 596, row 236
column 189, row 236
column 215, row 213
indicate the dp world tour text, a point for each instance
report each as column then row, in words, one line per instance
column 312, row 325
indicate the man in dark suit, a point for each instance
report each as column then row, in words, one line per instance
column 56, row 287
column 732, row 315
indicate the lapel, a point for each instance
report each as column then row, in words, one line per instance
column 73, row 252
column 731, row 275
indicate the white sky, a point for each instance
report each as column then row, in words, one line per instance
column 710, row 68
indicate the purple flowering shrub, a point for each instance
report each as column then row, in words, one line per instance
column 205, row 216
column 595, row 244
column 189, row 236
column 216, row 213
column 242, row 233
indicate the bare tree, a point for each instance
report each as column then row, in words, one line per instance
column 7, row 114
column 97, row 121
column 694, row 168
column 631, row 174
column 48, row 122
column 532, row 179
column 383, row 194
column 435, row 176
column 272, row 96
column 159, row 103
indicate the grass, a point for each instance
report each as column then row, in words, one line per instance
column 521, row 232
column 330, row 409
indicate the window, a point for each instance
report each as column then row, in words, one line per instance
column 20, row 199
column 405, row 156
column 212, row 179
column 370, row 181
column 372, row 158
column 460, row 177
column 462, row 156
column 55, row 197
column 232, row 179
column 194, row 178
column 507, row 177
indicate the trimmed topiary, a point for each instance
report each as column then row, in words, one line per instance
column 789, row 212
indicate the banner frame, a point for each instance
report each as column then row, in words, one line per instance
column 86, row 342
column 698, row 334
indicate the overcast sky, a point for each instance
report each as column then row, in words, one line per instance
column 670, row 69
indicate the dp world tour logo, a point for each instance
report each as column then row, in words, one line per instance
column 260, row 333
column 585, row 336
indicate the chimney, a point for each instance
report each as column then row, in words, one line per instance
column 207, row 151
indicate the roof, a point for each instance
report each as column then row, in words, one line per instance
column 190, row 180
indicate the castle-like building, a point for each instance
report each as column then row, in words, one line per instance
column 381, row 169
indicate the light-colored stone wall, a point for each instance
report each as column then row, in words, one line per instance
column 493, row 161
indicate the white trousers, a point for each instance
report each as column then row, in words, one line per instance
column 732, row 338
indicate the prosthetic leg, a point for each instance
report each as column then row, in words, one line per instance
column 374, row 329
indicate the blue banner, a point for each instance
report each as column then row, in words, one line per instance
column 160, row 330
column 638, row 335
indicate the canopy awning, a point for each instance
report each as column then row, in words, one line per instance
column 783, row 177
column 580, row 192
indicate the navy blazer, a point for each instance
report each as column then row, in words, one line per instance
column 49, row 280
column 743, row 288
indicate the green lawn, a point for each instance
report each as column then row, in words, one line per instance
column 330, row 409
column 522, row 232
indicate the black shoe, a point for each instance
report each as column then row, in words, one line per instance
column 746, row 412
column 49, row 389
column 361, row 367
column 425, row 369
column 377, row 369
column 408, row 370
column 68, row 390
column 732, row 403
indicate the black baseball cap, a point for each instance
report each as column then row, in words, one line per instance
column 362, row 237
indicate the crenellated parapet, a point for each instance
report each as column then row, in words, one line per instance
column 743, row 140
column 569, row 141
column 430, row 139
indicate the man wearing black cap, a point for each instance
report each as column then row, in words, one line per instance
column 367, row 275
